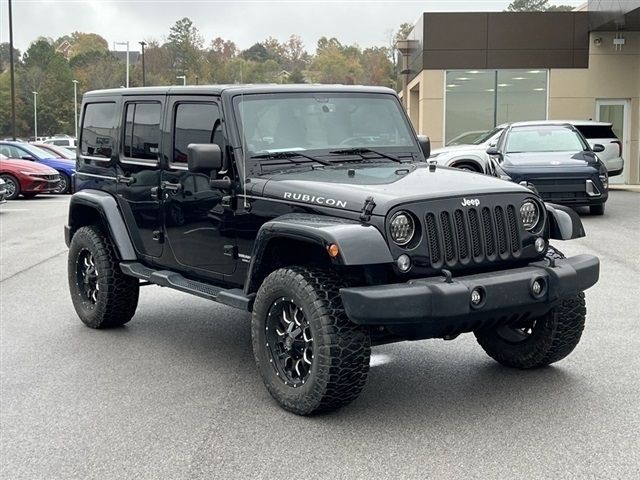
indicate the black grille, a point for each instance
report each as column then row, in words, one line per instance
column 482, row 234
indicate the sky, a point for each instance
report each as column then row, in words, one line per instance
column 366, row 23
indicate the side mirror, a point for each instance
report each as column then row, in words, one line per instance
column 494, row 152
column 28, row 157
column 204, row 158
column 425, row 145
column 597, row 148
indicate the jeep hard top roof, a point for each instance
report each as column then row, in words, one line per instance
column 245, row 89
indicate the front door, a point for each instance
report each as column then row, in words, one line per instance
column 617, row 112
column 198, row 227
column 138, row 172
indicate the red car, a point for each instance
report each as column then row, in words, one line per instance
column 26, row 178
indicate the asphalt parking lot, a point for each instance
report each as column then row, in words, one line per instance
column 175, row 393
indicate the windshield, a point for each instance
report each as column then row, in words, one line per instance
column 486, row 136
column 38, row 152
column 553, row 138
column 322, row 121
column 60, row 153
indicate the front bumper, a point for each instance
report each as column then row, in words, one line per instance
column 446, row 306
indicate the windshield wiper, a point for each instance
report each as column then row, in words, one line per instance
column 290, row 156
column 362, row 151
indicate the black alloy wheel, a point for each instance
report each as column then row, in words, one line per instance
column 87, row 275
column 289, row 342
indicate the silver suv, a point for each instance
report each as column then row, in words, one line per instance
column 602, row 133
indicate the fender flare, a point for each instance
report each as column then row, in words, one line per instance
column 472, row 158
column 358, row 243
column 107, row 207
column 564, row 223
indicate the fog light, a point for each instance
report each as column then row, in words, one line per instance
column 536, row 288
column 540, row 244
column 404, row 263
column 477, row 297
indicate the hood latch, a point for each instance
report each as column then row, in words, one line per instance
column 367, row 208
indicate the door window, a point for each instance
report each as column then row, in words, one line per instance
column 195, row 123
column 98, row 131
column 142, row 131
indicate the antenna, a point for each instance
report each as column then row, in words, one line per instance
column 245, row 203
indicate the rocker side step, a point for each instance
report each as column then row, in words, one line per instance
column 233, row 297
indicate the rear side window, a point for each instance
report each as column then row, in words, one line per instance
column 195, row 123
column 142, row 131
column 596, row 131
column 98, row 130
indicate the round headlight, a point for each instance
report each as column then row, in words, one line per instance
column 402, row 228
column 530, row 214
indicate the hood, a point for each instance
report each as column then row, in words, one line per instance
column 60, row 164
column 347, row 187
column 26, row 166
column 550, row 160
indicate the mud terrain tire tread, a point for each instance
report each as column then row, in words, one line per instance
column 341, row 348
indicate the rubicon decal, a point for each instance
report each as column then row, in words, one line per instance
column 303, row 197
column 468, row 202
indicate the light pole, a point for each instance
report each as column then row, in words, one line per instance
column 35, row 116
column 13, row 83
column 184, row 79
column 75, row 105
column 143, row 44
column 127, row 44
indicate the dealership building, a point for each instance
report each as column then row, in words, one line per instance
column 467, row 72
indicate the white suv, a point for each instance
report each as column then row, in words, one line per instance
column 66, row 142
column 602, row 133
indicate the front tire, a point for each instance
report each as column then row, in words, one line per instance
column 541, row 341
column 12, row 187
column 64, row 184
column 311, row 357
column 102, row 295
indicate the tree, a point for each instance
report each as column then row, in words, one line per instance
column 256, row 52
column 82, row 43
column 4, row 56
column 535, row 6
column 334, row 63
column 185, row 45
column 48, row 73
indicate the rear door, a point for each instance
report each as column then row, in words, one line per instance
column 199, row 228
column 138, row 171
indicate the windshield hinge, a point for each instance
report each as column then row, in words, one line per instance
column 367, row 208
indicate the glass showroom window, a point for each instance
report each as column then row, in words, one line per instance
column 478, row 100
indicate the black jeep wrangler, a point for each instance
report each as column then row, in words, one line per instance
column 312, row 207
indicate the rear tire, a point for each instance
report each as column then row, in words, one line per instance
column 102, row 295
column 542, row 341
column 311, row 357
column 12, row 187
column 597, row 209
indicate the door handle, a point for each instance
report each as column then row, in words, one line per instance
column 171, row 187
column 126, row 180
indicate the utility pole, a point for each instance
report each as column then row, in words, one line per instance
column 75, row 104
column 35, row 116
column 13, row 82
column 143, row 44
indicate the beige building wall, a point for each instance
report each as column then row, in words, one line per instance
column 611, row 75
column 429, row 120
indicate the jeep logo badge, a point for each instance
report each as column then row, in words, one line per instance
column 468, row 202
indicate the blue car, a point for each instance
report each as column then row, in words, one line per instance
column 66, row 168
